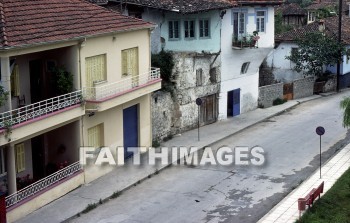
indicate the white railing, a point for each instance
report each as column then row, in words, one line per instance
column 42, row 184
column 127, row 83
column 38, row 109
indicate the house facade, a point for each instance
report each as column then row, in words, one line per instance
column 202, row 36
column 283, row 69
column 81, row 83
column 292, row 14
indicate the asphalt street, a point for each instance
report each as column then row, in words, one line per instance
column 236, row 193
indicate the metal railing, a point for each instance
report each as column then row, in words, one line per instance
column 42, row 184
column 38, row 109
column 127, row 83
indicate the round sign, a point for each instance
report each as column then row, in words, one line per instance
column 199, row 101
column 320, row 130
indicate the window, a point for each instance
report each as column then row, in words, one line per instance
column 212, row 73
column 239, row 23
column 245, row 67
column 130, row 62
column 204, row 28
column 260, row 21
column 312, row 16
column 174, row 30
column 199, row 77
column 20, row 157
column 15, row 87
column 294, row 51
column 189, row 29
column 96, row 136
column 95, row 69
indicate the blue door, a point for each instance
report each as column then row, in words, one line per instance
column 130, row 129
column 236, row 102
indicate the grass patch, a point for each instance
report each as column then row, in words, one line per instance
column 334, row 206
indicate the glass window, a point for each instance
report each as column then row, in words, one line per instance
column 189, row 29
column 20, row 157
column 95, row 69
column 260, row 21
column 204, row 28
column 245, row 67
column 96, row 136
column 174, row 31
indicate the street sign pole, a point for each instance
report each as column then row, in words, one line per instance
column 320, row 131
column 199, row 103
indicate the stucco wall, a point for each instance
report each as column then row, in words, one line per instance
column 112, row 46
column 282, row 68
column 303, row 87
column 267, row 94
column 112, row 120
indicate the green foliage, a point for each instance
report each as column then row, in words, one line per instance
column 278, row 101
column 63, row 80
column 316, row 51
column 325, row 12
column 165, row 61
column 3, row 96
column 89, row 208
column 279, row 27
column 345, row 105
column 334, row 206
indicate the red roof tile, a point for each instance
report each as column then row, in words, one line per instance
column 290, row 9
column 331, row 29
column 27, row 22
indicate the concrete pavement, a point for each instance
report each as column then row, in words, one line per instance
column 286, row 211
column 124, row 177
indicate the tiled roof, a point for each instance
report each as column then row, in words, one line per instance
column 290, row 9
column 327, row 4
column 27, row 22
column 99, row 2
column 193, row 6
column 331, row 29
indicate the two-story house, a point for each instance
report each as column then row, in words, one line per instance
column 74, row 75
column 215, row 58
column 283, row 69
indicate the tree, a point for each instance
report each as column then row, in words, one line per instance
column 315, row 51
column 345, row 105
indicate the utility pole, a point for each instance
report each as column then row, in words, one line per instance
column 340, row 14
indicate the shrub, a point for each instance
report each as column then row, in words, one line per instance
column 278, row 101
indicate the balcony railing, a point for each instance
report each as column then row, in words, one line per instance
column 245, row 41
column 42, row 184
column 127, row 83
column 38, row 109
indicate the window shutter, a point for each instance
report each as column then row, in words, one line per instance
column 95, row 136
column 15, row 86
column 95, row 69
column 20, row 157
column 124, row 62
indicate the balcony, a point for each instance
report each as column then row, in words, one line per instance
column 245, row 41
column 40, row 115
column 108, row 95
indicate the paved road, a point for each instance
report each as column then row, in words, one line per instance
column 236, row 193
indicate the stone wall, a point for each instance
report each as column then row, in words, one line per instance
column 175, row 112
column 331, row 84
column 303, row 87
column 269, row 93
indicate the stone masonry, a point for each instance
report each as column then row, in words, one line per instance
column 303, row 87
column 269, row 93
column 194, row 75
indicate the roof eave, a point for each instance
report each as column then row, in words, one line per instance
column 8, row 48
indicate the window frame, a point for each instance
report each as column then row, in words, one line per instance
column 104, row 75
column 259, row 19
column 172, row 30
column 245, row 67
column 20, row 157
column 189, row 29
column 201, row 31
column 128, row 63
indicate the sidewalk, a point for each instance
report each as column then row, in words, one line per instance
column 287, row 210
column 127, row 176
